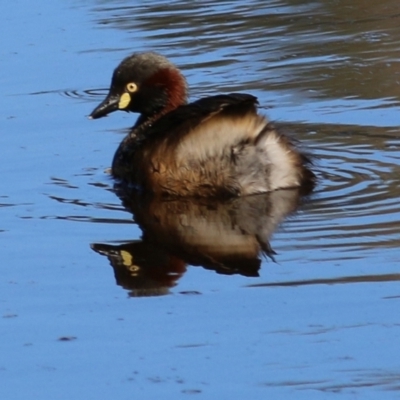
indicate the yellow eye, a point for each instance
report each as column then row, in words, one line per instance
column 131, row 87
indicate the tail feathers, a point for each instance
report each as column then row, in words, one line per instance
column 286, row 165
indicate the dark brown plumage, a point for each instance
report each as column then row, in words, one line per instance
column 214, row 146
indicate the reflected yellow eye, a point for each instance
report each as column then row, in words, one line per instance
column 131, row 87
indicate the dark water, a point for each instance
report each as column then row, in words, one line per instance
column 97, row 305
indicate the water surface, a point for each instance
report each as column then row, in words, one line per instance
column 316, row 319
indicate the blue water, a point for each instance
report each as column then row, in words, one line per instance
column 319, row 322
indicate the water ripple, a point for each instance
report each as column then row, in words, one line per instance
column 356, row 203
column 86, row 94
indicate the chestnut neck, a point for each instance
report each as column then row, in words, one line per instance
column 174, row 94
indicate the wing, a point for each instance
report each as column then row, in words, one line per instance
column 198, row 136
column 190, row 150
column 179, row 122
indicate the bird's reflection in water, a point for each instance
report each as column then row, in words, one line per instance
column 227, row 236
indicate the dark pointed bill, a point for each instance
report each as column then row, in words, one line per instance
column 109, row 105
